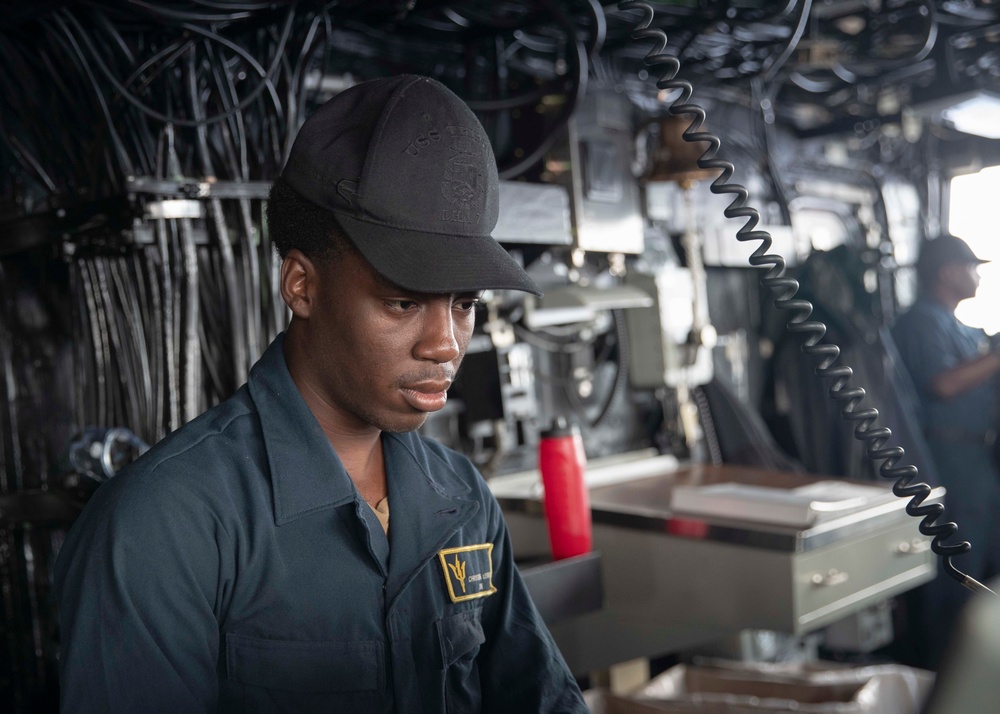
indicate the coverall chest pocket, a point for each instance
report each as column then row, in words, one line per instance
column 460, row 636
column 290, row 675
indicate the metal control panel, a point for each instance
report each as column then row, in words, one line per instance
column 675, row 582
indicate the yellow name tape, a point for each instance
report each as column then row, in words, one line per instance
column 468, row 571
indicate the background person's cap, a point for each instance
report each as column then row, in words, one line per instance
column 945, row 250
column 408, row 171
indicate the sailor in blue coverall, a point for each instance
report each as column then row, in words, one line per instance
column 299, row 548
column 955, row 373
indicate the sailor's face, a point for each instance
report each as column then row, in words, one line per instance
column 387, row 355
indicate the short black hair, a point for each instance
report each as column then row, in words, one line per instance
column 295, row 222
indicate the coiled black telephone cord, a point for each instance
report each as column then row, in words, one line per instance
column 783, row 289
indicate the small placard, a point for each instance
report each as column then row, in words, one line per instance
column 468, row 571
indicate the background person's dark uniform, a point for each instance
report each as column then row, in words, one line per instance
column 235, row 568
column 959, row 431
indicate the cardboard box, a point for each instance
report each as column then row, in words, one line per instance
column 738, row 688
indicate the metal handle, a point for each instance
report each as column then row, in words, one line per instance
column 917, row 545
column 829, row 579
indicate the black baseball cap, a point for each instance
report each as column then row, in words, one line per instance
column 945, row 250
column 410, row 175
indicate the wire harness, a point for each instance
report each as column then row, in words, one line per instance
column 783, row 289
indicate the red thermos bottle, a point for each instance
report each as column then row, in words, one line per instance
column 562, row 461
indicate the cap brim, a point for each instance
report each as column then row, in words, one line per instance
column 435, row 262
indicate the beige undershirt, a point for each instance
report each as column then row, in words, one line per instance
column 382, row 513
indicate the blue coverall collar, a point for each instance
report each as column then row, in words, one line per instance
column 306, row 473
column 430, row 506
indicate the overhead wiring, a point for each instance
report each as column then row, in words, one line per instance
column 124, row 159
column 772, row 67
column 578, row 54
column 169, row 13
column 262, row 85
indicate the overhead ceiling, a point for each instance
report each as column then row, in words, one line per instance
column 237, row 76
